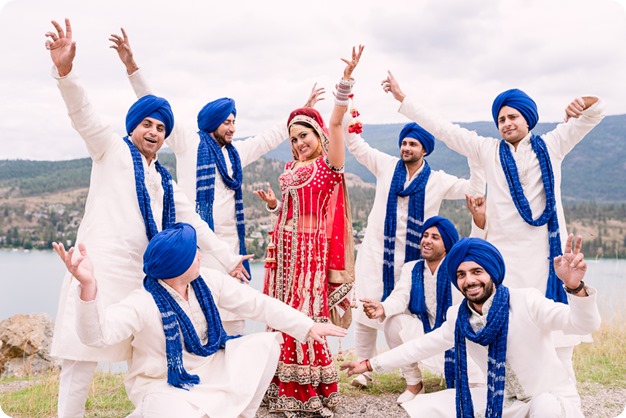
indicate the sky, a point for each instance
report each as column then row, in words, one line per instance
column 454, row 56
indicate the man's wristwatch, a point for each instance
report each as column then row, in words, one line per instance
column 574, row 291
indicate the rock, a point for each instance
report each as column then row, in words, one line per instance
column 25, row 345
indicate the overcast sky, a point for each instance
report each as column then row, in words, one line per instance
column 455, row 55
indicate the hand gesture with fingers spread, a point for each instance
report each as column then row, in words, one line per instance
column 121, row 44
column 352, row 63
column 81, row 267
column 62, row 48
column 315, row 96
column 571, row 267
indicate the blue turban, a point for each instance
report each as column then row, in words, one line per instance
column 413, row 130
column 214, row 113
column 150, row 107
column 479, row 251
column 171, row 252
column 518, row 100
column 447, row 230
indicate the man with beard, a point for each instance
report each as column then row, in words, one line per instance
column 523, row 177
column 183, row 362
column 131, row 197
column 209, row 164
column 407, row 193
column 508, row 334
column 418, row 305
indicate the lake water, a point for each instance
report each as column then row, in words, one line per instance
column 31, row 281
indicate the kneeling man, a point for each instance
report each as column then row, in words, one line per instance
column 183, row 362
column 507, row 333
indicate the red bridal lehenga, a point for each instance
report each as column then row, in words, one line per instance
column 304, row 250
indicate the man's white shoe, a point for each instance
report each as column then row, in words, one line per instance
column 409, row 396
column 361, row 381
column 405, row 397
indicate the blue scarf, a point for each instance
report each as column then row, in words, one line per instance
column 417, row 306
column 175, row 322
column 493, row 335
column 554, row 289
column 416, row 192
column 143, row 198
column 209, row 156
column 168, row 255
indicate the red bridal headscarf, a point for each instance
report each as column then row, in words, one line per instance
column 311, row 117
column 339, row 222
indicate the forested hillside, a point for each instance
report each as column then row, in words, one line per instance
column 43, row 201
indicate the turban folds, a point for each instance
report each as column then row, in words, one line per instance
column 519, row 101
column 150, row 106
column 413, row 130
column 479, row 251
column 447, row 230
column 171, row 252
column 214, row 113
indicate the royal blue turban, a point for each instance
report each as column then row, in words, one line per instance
column 479, row 251
column 150, row 107
column 518, row 100
column 214, row 113
column 171, row 252
column 447, row 230
column 413, row 130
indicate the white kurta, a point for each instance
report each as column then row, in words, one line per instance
column 184, row 141
column 112, row 226
column 531, row 358
column 396, row 307
column 228, row 378
column 369, row 261
column 518, row 242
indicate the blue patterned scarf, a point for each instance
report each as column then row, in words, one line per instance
column 417, row 306
column 493, row 335
column 169, row 255
column 143, row 198
column 175, row 322
column 209, row 157
column 554, row 289
column 416, row 192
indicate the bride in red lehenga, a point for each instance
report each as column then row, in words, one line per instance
column 307, row 253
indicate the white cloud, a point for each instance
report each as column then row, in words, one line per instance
column 456, row 56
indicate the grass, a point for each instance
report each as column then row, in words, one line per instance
column 601, row 364
column 107, row 398
column 604, row 361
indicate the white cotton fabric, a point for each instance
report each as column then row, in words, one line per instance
column 184, row 141
column 531, row 357
column 229, row 379
column 112, row 227
column 369, row 260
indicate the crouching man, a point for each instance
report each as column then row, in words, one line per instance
column 507, row 333
column 183, row 362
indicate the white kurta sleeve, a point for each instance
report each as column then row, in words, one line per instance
column 579, row 317
column 398, row 301
column 463, row 141
column 101, row 327
column 565, row 136
column 251, row 149
column 421, row 348
column 249, row 303
column 210, row 245
column 97, row 135
column 373, row 159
